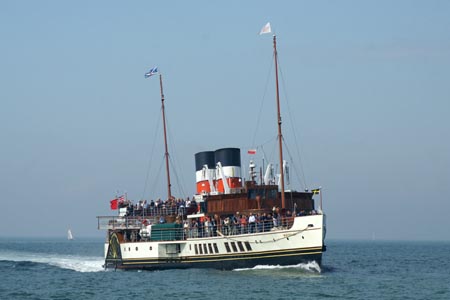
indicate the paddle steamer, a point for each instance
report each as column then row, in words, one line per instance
column 280, row 227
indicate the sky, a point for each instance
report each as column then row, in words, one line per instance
column 365, row 103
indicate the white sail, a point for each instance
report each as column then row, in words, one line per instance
column 69, row 235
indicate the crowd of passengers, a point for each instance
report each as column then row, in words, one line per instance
column 174, row 206
column 238, row 223
column 208, row 226
column 233, row 225
column 180, row 207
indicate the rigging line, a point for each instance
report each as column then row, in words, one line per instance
column 264, row 154
column 179, row 185
column 265, row 143
column 262, row 102
column 175, row 161
column 149, row 165
column 272, row 153
column 274, row 138
column 153, row 187
column 294, row 165
column 297, row 144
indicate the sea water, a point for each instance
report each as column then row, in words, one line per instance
column 61, row 269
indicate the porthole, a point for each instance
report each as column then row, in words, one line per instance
column 136, row 248
column 150, row 248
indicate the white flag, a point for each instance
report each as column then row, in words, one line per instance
column 266, row 29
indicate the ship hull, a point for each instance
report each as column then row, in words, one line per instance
column 302, row 243
column 223, row 263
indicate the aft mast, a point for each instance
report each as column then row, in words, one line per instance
column 280, row 135
column 166, row 154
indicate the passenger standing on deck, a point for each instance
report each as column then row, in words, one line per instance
column 251, row 223
column 234, row 225
column 194, row 228
column 186, row 229
column 201, row 228
column 214, row 226
column 238, row 223
column 152, row 207
column 207, row 225
column 218, row 222
column 262, row 220
column 268, row 223
column 275, row 217
column 226, row 226
column 244, row 224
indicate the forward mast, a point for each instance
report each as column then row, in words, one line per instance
column 166, row 148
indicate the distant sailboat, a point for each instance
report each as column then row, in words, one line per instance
column 69, row 235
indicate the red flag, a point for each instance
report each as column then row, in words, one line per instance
column 114, row 203
column 251, row 151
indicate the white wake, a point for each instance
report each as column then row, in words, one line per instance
column 310, row 267
column 71, row 262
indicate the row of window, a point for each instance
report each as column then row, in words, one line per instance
column 129, row 249
column 137, row 249
column 208, row 248
column 239, row 245
column 211, row 248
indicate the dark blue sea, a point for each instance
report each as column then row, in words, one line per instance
column 61, row 269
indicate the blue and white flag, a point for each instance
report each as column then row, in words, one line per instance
column 152, row 71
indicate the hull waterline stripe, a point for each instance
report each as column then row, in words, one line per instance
column 243, row 256
column 232, row 254
column 218, row 260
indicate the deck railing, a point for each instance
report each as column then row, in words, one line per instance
column 135, row 228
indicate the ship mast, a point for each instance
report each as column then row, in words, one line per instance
column 280, row 135
column 166, row 154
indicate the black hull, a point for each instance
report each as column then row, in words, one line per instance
column 221, row 263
